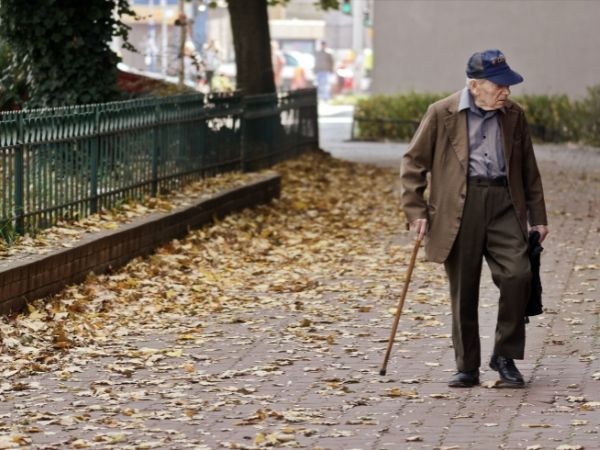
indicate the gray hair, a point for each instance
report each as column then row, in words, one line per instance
column 472, row 79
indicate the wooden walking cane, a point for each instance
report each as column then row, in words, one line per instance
column 411, row 266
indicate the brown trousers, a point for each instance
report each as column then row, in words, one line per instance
column 489, row 228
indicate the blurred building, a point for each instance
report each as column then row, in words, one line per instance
column 156, row 36
column 424, row 45
column 298, row 27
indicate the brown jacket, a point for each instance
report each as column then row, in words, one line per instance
column 440, row 147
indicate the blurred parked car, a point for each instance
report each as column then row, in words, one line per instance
column 298, row 70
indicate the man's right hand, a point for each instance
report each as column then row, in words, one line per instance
column 420, row 227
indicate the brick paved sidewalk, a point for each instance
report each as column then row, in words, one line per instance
column 304, row 376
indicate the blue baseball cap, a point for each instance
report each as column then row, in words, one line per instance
column 491, row 65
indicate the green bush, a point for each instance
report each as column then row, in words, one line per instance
column 391, row 117
column 63, row 46
column 551, row 118
column 590, row 113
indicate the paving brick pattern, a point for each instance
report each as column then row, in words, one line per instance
column 317, row 386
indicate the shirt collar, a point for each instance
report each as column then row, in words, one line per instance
column 465, row 99
column 466, row 102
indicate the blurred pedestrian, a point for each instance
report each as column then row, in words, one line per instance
column 278, row 61
column 211, row 60
column 298, row 78
column 324, row 66
column 151, row 49
column 192, row 63
column 485, row 194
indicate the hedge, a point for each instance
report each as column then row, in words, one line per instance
column 552, row 118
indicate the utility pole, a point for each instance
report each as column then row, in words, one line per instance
column 358, row 32
column 182, row 22
column 164, row 39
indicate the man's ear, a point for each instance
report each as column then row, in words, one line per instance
column 473, row 86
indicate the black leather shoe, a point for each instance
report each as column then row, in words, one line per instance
column 464, row 379
column 509, row 373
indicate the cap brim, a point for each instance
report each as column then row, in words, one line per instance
column 506, row 78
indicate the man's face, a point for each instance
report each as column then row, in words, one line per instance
column 488, row 95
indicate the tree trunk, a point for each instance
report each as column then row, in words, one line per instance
column 252, row 43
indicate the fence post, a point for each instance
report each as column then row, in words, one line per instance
column 203, row 135
column 94, row 163
column 19, row 177
column 315, row 117
column 243, row 141
column 155, row 150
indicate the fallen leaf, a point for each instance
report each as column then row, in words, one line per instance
column 590, row 406
column 444, row 396
column 579, row 423
column 397, row 392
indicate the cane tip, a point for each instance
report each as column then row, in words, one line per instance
column 382, row 372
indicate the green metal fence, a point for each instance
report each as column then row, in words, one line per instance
column 66, row 163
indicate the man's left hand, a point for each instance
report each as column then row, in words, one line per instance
column 542, row 229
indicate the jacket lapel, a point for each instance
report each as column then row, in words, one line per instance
column 509, row 122
column 456, row 125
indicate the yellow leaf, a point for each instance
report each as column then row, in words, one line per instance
column 259, row 439
column 110, row 225
column 397, row 392
column 186, row 337
column 190, row 412
column 272, row 438
column 590, row 406
column 298, row 204
column 189, row 367
column 305, row 323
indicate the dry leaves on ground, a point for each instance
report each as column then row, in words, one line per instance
column 314, row 271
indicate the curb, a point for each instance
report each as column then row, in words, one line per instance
column 44, row 275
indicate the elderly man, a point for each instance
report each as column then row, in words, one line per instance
column 485, row 194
